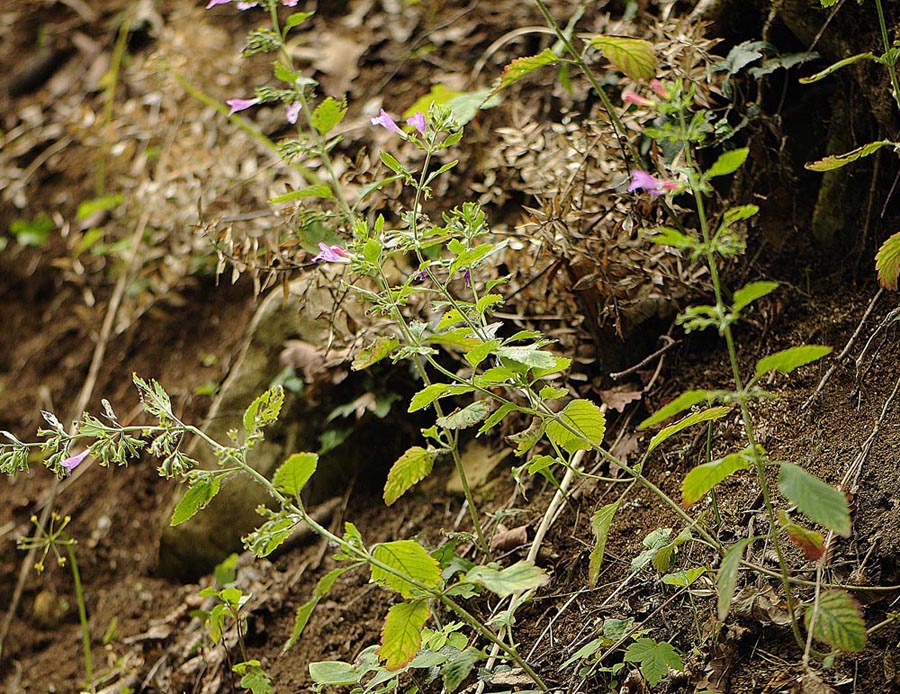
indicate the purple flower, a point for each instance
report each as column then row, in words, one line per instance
column 418, row 122
column 420, row 276
column 292, row 112
column 385, row 121
column 467, row 278
column 240, row 104
column 76, row 460
column 641, row 180
column 332, row 254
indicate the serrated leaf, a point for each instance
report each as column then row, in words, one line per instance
column 479, row 353
column 329, row 114
column 749, row 293
column 409, row 469
column 634, row 57
column 375, row 352
column 401, row 636
column 811, row 543
column 706, row 476
column 334, row 672
column 654, row 659
column 458, row 668
column 600, row 523
column 496, row 417
column 409, row 558
column 839, row 621
column 264, row 410
column 707, row 415
column 818, row 501
column 304, row 612
column 295, row 472
column 887, row 262
column 318, row 191
column 726, row 580
column 524, row 441
column 520, row 67
column 518, row 578
column 540, row 463
column 468, row 416
column 683, row 402
column 787, row 360
column 728, row 162
column 432, row 392
column 195, row 499
column 836, row 161
column 585, row 418
column 528, row 356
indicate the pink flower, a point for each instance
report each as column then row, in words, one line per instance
column 332, row 254
column 289, row 3
column 659, row 89
column 213, row 3
column 386, row 122
column 76, row 460
column 418, row 122
column 630, row 97
column 240, row 104
column 293, row 111
column 641, row 180
column 246, row 5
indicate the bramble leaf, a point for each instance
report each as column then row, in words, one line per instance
column 520, row 67
column 468, row 416
column 455, row 671
column 818, row 501
column 839, row 621
column 430, row 393
column 334, row 672
column 401, row 636
column 811, row 543
column 600, row 523
column 295, row 472
column 887, row 262
column 585, row 418
column 409, row 558
column 518, row 578
column 654, row 659
column 409, row 469
column 788, row 360
column 634, row 57
column 695, row 418
column 706, row 476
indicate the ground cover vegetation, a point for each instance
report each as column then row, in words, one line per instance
column 384, row 228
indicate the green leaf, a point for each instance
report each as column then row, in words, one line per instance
column 726, row 580
column 196, row 498
column 654, row 659
column 32, row 232
column 887, row 262
column 600, row 523
column 375, row 352
column 736, row 214
column 518, row 578
column 264, row 410
column 520, row 67
column 101, row 204
column 634, row 57
column 334, row 672
column 391, row 162
column 401, row 636
column 787, row 360
column 684, row 578
column 706, row 476
column 524, row 441
column 818, row 501
column 811, row 543
column 667, row 236
column 329, row 114
column 295, row 472
column 838, row 160
column 254, row 678
column 296, row 19
column 834, row 67
column 496, row 417
column 478, row 354
column 695, row 418
column 319, row 191
column 683, row 402
column 839, row 621
column 407, row 557
column 749, row 293
column 460, row 665
column 728, row 162
column 585, row 418
column 409, row 469
column 654, row 542
column 468, row 416
column 430, row 393
column 306, row 609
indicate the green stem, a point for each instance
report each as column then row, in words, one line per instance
column 82, row 617
column 886, row 41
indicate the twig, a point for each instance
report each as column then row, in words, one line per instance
column 670, row 342
column 845, row 352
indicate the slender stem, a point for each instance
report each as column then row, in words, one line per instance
column 82, row 617
column 886, row 40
